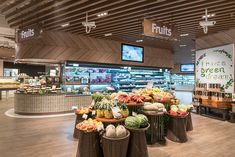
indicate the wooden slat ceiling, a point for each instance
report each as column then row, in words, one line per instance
column 124, row 18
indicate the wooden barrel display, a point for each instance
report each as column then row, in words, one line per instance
column 137, row 144
column 78, row 120
column 89, row 144
column 177, row 129
column 189, row 123
column 115, row 147
column 113, row 121
column 155, row 133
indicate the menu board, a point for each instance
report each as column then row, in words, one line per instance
column 215, row 65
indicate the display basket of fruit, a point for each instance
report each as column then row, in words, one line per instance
column 137, row 125
column 89, row 143
column 114, row 140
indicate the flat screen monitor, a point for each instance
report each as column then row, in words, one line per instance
column 132, row 53
column 187, row 68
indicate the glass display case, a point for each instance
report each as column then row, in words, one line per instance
column 185, row 82
column 86, row 78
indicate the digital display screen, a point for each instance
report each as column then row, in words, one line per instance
column 187, row 68
column 132, row 53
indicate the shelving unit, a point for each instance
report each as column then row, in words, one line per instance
column 185, row 82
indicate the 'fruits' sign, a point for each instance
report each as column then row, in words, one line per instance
column 215, row 65
column 157, row 29
column 29, row 32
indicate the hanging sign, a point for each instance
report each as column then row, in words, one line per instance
column 157, row 29
column 29, row 32
column 215, row 66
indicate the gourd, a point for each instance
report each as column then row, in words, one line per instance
column 120, row 131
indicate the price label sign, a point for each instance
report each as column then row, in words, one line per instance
column 134, row 114
column 100, row 127
column 116, row 112
column 84, row 116
column 93, row 112
column 74, row 107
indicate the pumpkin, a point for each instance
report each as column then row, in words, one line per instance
column 110, row 132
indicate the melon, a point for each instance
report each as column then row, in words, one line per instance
column 143, row 120
column 132, row 122
column 120, row 131
column 110, row 132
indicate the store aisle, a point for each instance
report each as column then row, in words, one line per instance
column 185, row 97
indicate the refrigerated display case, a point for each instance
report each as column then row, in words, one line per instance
column 183, row 82
column 89, row 78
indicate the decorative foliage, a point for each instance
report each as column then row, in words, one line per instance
column 224, row 52
column 227, row 85
column 200, row 58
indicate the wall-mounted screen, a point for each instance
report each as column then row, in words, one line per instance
column 132, row 53
column 187, row 67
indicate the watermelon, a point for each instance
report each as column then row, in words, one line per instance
column 143, row 120
column 132, row 122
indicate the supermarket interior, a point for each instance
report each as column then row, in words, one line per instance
column 144, row 78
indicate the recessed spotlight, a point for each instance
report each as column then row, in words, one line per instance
column 139, row 41
column 183, row 35
column 108, row 34
column 183, row 45
column 102, row 14
column 65, row 25
column 209, row 15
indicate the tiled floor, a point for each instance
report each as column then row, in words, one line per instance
column 52, row 137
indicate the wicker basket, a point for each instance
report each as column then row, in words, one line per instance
column 115, row 147
column 138, row 144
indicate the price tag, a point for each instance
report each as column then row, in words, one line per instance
column 93, row 112
column 84, row 116
column 134, row 114
column 100, row 127
column 74, row 107
column 150, row 84
column 116, row 112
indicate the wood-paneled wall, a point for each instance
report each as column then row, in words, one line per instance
column 66, row 46
column 217, row 39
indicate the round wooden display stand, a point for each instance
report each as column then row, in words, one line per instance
column 189, row 123
column 78, row 120
column 115, row 147
column 133, row 107
column 177, row 129
column 107, row 121
column 89, row 144
column 137, row 145
column 155, row 133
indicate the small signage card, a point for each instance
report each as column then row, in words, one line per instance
column 116, row 112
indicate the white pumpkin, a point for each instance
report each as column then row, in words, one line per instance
column 121, row 131
column 110, row 126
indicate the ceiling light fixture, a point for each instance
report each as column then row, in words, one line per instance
column 183, row 45
column 88, row 25
column 208, row 15
column 205, row 24
column 102, row 14
column 184, row 35
column 139, row 41
column 65, row 25
column 108, row 34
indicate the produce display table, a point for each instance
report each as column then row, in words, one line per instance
column 177, row 129
column 134, row 107
column 232, row 117
column 138, row 144
column 189, row 123
column 107, row 121
column 89, row 145
column 219, row 113
column 155, row 133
